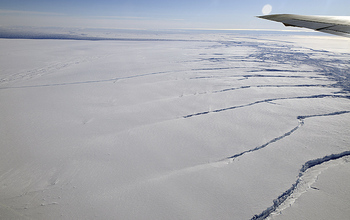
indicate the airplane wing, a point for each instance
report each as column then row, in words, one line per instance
column 337, row 25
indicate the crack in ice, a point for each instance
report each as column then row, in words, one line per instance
column 86, row 82
column 301, row 122
column 271, row 86
column 285, row 195
column 266, row 101
column 254, row 76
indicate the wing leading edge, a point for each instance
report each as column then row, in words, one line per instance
column 337, row 25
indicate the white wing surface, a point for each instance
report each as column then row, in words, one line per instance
column 339, row 25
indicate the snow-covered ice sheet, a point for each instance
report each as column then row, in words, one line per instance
column 215, row 128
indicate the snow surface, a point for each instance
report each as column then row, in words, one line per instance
column 197, row 126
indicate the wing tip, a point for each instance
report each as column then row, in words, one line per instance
column 275, row 17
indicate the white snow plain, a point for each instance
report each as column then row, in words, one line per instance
column 198, row 126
